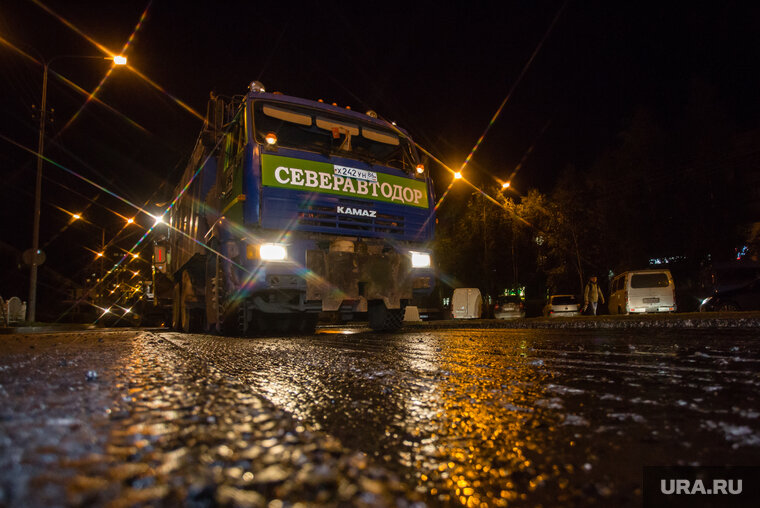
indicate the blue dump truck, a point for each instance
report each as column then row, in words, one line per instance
column 291, row 208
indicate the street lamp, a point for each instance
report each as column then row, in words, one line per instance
column 36, row 256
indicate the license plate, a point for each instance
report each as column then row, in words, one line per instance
column 651, row 300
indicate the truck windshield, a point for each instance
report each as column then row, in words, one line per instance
column 318, row 131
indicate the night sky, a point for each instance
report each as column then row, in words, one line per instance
column 440, row 72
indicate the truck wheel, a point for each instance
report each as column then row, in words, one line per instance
column 176, row 323
column 308, row 323
column 265, row 323
column 223, row 312
column 214, row 293
column 191, row 317
column 383, row 319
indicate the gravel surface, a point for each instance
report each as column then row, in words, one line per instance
column 159, row 426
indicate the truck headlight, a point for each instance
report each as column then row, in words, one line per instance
column 273, row 252
column 420, row 259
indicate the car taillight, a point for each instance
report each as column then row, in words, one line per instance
column 496, row 307
column 521, row 306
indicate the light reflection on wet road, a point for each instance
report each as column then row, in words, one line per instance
column 493, row 416
column 437, row 417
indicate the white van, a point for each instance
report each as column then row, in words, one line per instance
column 642, row 291
column 466, row 303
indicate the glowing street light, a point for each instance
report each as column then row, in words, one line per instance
column 457, row 175
column 505, row 185
column 76, row 216
column 131, row 220
column 37, row 256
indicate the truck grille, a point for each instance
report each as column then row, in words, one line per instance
column 322, row 216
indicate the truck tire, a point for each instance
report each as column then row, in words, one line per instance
column 176, row 322
column 191, row 317
column 308, row 323
column 383, row 319
column 214, row 292
column 277, row 324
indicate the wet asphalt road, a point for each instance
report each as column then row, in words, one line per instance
column 436, row 417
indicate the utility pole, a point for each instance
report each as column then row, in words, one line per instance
column 37, row 199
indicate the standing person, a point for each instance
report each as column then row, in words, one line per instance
column 592, row 295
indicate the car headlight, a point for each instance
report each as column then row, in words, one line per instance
column 707, row 300
column 420, row 259
column 273, row 252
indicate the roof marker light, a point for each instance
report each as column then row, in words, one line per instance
column 271, row 138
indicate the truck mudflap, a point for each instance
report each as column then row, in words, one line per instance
column 340, row 274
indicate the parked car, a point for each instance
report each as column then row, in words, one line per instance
column 746, row 297
column 562, row 306
column 641, row 291
column 508, row 307
column 466, row 303
column 723, row 276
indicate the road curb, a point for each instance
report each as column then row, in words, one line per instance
column 685, row 322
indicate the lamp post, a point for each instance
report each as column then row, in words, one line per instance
column 36, row 254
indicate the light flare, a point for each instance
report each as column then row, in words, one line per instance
column 118, row 61
column 73, row 86
column 111, row 54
